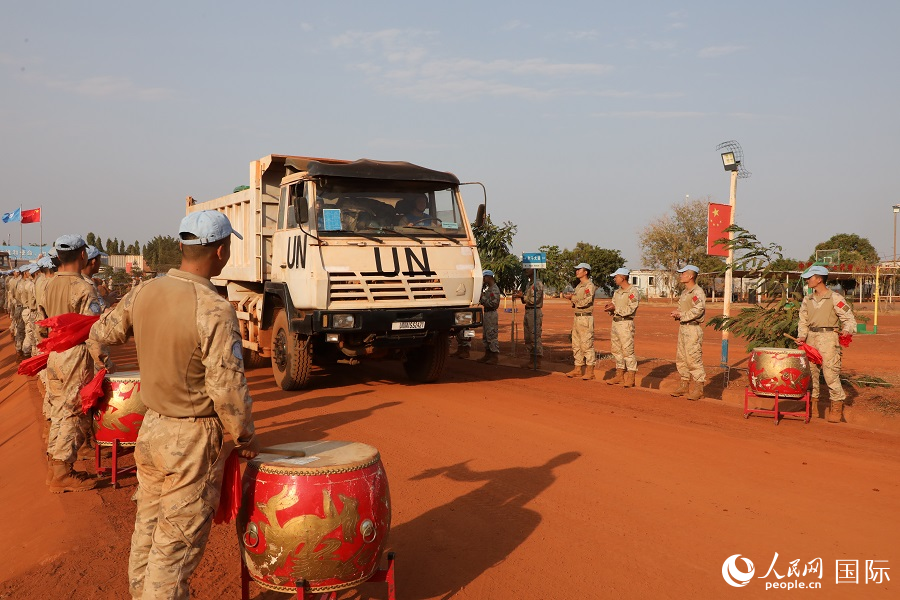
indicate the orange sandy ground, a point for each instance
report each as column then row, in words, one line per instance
column 508, row 483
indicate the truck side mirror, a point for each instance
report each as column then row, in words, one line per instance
column 479, row 216
column 301, row 210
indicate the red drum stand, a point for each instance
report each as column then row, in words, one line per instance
column 379, row 576
column 114, row 468
column 776, row 410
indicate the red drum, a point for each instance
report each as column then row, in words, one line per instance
column 121, row 412
column 782, row 371
column 318, row 511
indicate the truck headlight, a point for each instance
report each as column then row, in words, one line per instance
column 342, row 321
column 464, row 318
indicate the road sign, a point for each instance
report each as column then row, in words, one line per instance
column 534, row 260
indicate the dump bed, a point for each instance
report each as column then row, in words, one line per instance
column 254, row 214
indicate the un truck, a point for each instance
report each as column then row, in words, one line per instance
column 346, row 261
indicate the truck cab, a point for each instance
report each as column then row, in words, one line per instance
column 350, row 261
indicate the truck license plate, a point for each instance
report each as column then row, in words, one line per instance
column 400, row 325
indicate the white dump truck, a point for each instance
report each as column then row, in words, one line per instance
column 347, row 261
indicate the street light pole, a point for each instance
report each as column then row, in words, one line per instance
column 894, row 263
column 729, row 276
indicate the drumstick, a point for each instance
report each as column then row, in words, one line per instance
column 790, row 337
column 283, row 452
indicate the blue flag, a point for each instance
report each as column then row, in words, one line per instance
column 13, row 217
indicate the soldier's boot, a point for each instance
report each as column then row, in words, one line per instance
column 589, row 373
column 619, row 377
column 696, row 390
column 578, row 371
column 20, row 356
column 461, row 352
column 836, row 412
column 530, row 363
column 493, row 358
column 682, row 389
column 49, row 477
column 629, row 379
column 66, row 479
column 87, row 451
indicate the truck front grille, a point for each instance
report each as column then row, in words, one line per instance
column 351, row 287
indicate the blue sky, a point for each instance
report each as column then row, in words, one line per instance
column 585, row 120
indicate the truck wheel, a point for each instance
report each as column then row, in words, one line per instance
column 291, row 355
column 426, row 364
column 253, row 360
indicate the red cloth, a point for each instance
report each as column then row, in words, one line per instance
column 92, row 392
column 845, row 339
column 812, row 354
column 66, row 331
column 718, row 219
column 31, row 216
column 32, row 366
column 230, row 500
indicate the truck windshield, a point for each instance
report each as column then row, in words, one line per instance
column 345, row 207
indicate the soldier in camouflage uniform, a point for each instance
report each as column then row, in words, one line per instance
column 583, row 326
column 70, row 370
column 623, row 307
column 533, row 321
column 15, row 313
column 822, row 314
column 48, row 270
column 92, row 268
column 25, row 299
column 689, row 354
column 490, row 301
column 192, row 382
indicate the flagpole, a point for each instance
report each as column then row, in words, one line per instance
column 21, row 246
column 41, row 221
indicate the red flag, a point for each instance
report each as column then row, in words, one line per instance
column 718, row 220
column 31, row 216
column 92, row 392
column 230, row 499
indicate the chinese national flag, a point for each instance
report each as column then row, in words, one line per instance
column 718, row 220
column 31, row 216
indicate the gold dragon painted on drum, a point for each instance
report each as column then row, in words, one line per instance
column 125, row 401
column 315, row 559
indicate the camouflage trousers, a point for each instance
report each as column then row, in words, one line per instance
column 689, row 355
column 621, row 341
column 29, row 343
column 179, row 469
column 491, row 331
column 534, row 319
column 67, row 373
column 18, row 327
column 583, row 340
column 461, row 340
column 826, row 342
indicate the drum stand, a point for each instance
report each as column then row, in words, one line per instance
column 379, row 576
column 114, row 468
column 776, row 411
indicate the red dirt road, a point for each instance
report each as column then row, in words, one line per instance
column 512, row 484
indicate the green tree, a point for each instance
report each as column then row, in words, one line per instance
column 110, row 249
column 785, row 264
column 558, row 272
column 677, row 239
column 762, row 325
column 494, row 244
column 162, row 253
column 91, row 239
column 602, row 260
column 122, row 247
column 855, row 250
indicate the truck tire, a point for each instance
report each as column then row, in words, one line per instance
column 291, row 355
column 426, row 364
column 252, row 359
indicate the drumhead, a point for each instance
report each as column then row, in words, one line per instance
column 314, row 457
column 779, row 351
column 124, row 376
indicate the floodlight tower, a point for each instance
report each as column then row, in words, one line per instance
column 732, row 160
